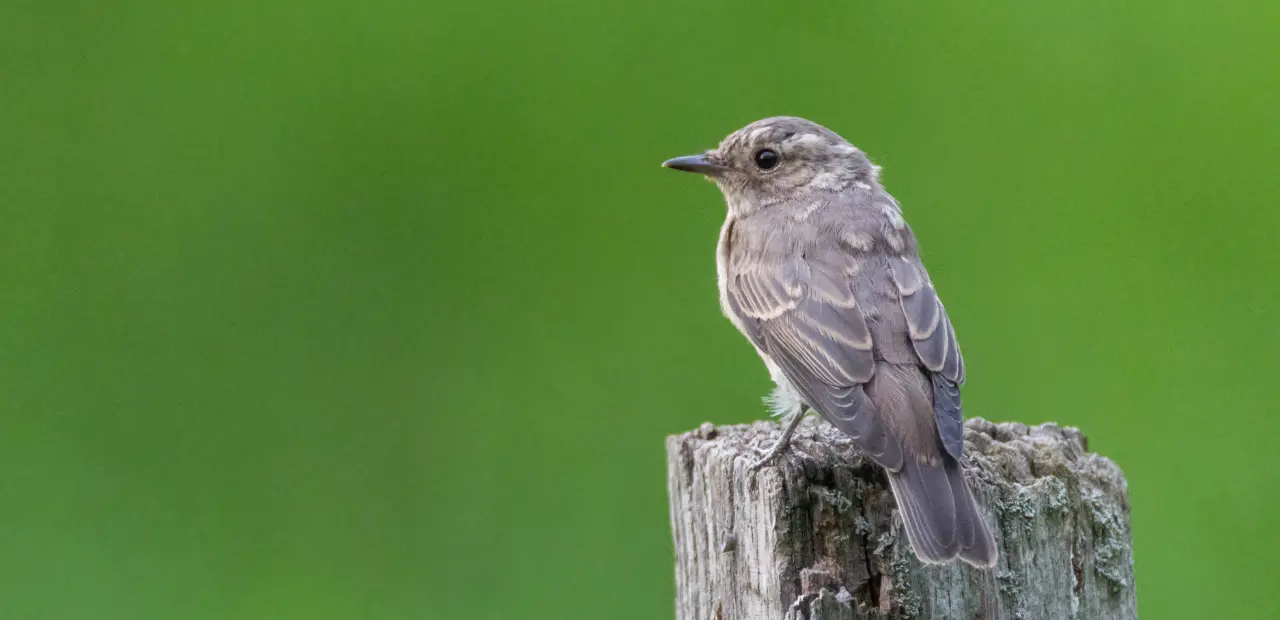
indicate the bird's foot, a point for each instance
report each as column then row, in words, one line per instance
column 764, row 457
column 782, row 443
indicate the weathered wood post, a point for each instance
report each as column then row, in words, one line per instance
column 815, row 535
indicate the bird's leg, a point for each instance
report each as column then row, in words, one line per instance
column 783, row 441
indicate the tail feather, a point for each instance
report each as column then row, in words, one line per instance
column 939, row 513
column 928, row 509
column 967, row 520
column 977, row 545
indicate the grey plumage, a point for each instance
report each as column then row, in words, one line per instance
column 818, row 269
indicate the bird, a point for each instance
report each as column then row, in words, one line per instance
column 817, row 267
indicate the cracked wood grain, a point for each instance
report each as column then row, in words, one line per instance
column 815, row 535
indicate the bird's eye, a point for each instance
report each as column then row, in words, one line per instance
column 766, row 158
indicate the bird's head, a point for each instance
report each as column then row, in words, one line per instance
column 779, row 159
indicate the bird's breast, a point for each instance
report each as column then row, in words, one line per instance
column 723, row 248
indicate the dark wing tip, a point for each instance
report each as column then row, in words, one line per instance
column 948, row 414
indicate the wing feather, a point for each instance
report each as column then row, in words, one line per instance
column 805, row 317
column 934, row 340
column 932, row 335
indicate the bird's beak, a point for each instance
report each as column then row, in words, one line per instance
column 694, row 163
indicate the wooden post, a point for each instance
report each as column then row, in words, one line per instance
column 815, row 535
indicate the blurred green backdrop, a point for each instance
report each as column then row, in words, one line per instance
column 382, row 309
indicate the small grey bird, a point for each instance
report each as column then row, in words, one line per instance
column 819, row 270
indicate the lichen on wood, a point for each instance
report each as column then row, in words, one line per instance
column 815, row 535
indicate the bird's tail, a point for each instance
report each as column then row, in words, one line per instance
column 940, row 514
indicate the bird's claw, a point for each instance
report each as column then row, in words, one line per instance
column 764, row 457
column 781, row 444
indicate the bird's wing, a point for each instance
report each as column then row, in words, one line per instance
column 803, row 314
column 934, row 341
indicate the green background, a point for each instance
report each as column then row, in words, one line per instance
column 383, row 309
